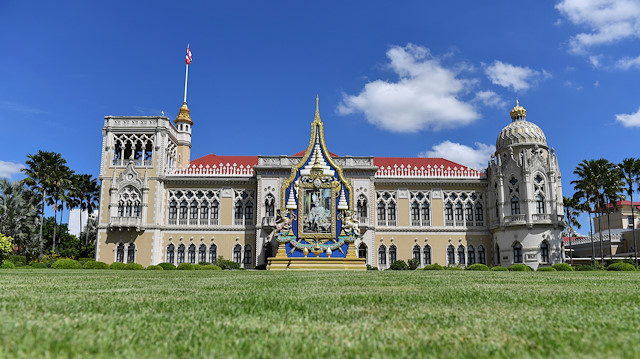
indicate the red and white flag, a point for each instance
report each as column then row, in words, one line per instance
column 188, row 55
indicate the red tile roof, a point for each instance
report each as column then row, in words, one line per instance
column 212, row 159
column 423, row 167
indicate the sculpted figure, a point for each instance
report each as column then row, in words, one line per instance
column 351, row 224
column 283, row 224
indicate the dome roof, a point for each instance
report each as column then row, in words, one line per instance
column 520, row 131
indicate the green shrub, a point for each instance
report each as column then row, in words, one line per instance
column 370, row 267
column 7, row 265
column 203, row 263
column 210, row 267
column 19, row 261
column 499, row 269
column 258, row 267
column 621, row 266
column 66, row 263
column 585, row 268
column 452, row 268
column 562, row 267
column 197, row 267
column 117, row 266
column 167, row 266
column 26, row 267
column 226, row 264
column 85, row 260
column 185, row 266
column 413, row 263
column 434, row 266
column 478, row 266
column 39, row 265
column 399, row 265
column 95, row 265
column 133, row 266
column 154, row 267
column 546, row 269
column 519, row 267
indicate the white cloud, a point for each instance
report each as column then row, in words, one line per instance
column 597, row 83
column 607, row 21
column 629, row 120
column 626, row 63
column 516, row 77
column 595, row 61
column 426, row 95
column 476, row 158
column 8, row 169
column 490, row 98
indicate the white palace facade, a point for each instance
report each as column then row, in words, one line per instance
column 159, row 205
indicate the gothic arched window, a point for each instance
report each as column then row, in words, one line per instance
column 540, row 204
column 202, row 253
column 213, row 253
column 544, row 252
column 382, row 255
column 482, row 259
column 393, row 254
column 192, row 253
column 247, row 255
column 427, row 254
column 237, row 253
column 362, row 251
column 131, row 253
column 416, row 253
column 517, row 252
column 471, row 255
column 451, row 255
column 120, row 253
column 181, row 253
column 461, row 259
column 170, row 253
column 515, row 205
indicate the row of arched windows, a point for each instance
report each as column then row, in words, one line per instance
column 423, row 254
column 458, row 256
column 133, row 147
column 193, row 255
column 130, row 252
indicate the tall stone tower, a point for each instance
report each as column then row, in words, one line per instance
column 525, row 196
column 183, row 125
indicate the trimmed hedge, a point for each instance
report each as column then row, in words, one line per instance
column 7, row 265
column 154, row 267
column 39, row 265
column 196, row 267
column 499, row 269
column 133, row 266
column 117, row 266
column 546, row 269
column 519, row 267
column 210, row 267
column 66, row 263
column 18, row 260
column 621, row 267
column 434, row 266
column 185, row 266
column 167, row 266
column 95, row 265
column 85, row 260
column 227, row 264
column 478, row 266
column 562, row 267
column 413, row 263
column 453, row 268
column 399, row 265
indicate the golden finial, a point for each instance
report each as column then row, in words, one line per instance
column 518, row 112
column 317, row 116
column 183, row 115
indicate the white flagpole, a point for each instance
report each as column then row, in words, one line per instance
column 186, row 76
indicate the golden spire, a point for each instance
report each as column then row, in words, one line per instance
column 183, row 115
column 317, row 116
column 518, row 112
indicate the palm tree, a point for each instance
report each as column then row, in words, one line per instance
column 86, row 193
column 572, row 208
column 588, row 187
column 42, row 170
column 612, row 188
column 18, row 212
column 630, row 170
column 60, row 184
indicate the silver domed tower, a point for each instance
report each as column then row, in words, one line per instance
column 525, row 196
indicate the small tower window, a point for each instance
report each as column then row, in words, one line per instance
column 517, row 252
column 515, row 205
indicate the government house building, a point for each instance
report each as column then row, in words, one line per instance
column 318, row 210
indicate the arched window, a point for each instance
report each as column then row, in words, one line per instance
column 482, row 259
column 237, row 253
column 391, row 215
column 131, row 253
column 193, row 213
column 424, row 212
column 248, row 213
column 448, row 213
column 544, row 252
column 393, row 254
column 214, row 213
column 468, row 217
column 181, row 253
column 269, row 205
column 426, row 251
column 120, row 253
column 204, row 214
column 540, row 204
column 497, row 210
column 471, row 254
column 362, row 208
column 362, row 251
column 459, row 214
column 381, row 214
column 461, row 254
column 517, row 252
column 416, row 253
column 238, row 214
column 183, row 213
column 173, row 212
column 171, row 253
column 213, row 253
column 415, row 214
column 479, row 215
column 202, row 253
column 515, row 205
column 247, row 255
column 382, row 255
column 192, row 253
column 451, row 255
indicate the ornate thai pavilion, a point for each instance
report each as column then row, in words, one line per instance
column 318, row 210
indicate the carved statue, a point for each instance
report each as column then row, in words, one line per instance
column 283, row 224
column 350, row 224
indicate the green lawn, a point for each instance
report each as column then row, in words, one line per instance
column 457, row 314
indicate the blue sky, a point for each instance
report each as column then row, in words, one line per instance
column 406, row 78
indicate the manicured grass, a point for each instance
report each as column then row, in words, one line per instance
column 417, row 314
